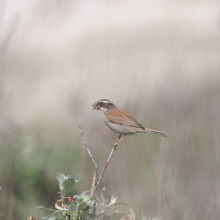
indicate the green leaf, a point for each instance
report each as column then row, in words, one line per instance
column 157, row 218
column 66, row 184
column 87, row 198
column 78, row 199
column 83, row 214
column 42, row 207
column 82, row 205
column 106, row 197
column 60, row 178
column 113, row 200
column 143, row 215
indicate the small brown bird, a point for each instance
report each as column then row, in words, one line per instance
column 121, row 122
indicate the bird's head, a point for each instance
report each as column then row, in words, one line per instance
column 103, row 105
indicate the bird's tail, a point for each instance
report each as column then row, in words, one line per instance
column 147, row 130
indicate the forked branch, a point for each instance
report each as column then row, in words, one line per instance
column 95, row 183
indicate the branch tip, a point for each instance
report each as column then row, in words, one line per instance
column 95, row 183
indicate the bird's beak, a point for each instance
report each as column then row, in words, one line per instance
column 94, row 106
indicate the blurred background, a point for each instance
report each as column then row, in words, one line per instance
column 157, row 60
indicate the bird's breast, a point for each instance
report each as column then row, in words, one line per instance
column 115, row 127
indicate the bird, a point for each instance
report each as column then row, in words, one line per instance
column 120, row 122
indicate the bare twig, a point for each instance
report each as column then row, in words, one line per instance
column 95, row 173
column 107, row 162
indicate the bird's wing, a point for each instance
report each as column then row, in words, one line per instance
column 121, row 118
